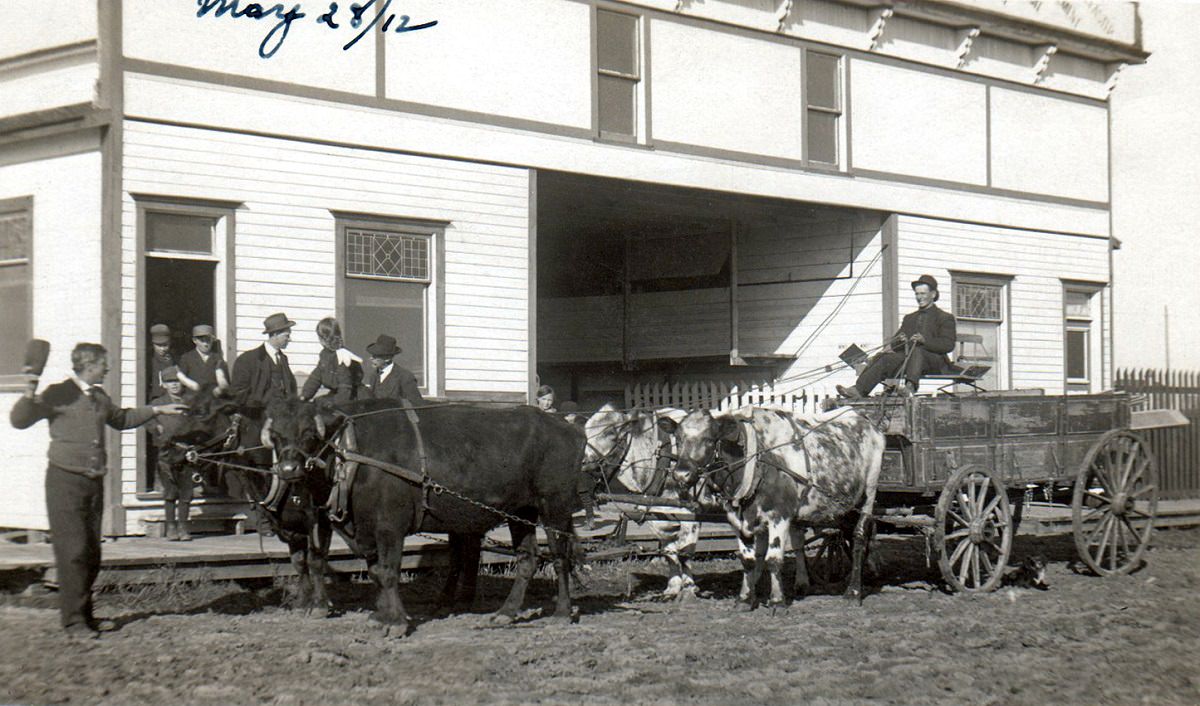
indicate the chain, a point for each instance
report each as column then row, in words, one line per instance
column 438, row 488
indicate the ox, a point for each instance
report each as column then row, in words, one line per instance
column 632, row 450
column 212, row 429
column 480, row 467
column 777, row 473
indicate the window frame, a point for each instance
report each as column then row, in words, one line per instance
column 1003, row 352
column 221, row 255
column 15, row 382
column 841, row 147
column 640, row 79
column 433, row 323
column 1092, row 326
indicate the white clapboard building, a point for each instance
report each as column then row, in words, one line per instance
column 585, row 193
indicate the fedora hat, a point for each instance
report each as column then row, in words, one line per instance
column 276, row 323
column 160, row 333
column 383, row 346
column 926, row 280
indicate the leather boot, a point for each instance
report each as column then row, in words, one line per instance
column 172, row 532
column 184, row 534
column 849, row 392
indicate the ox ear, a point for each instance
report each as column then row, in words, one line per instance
column 728, row 430
column 667, row 425
column 265, row 435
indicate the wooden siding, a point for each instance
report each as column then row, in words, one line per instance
column 31, row 25
column 1038, row 263
column 187, row 102
column 51, row 88
column 890, row 103
column 725, row 91
column 1048, row 145
column 66, row 296
column 284, row 243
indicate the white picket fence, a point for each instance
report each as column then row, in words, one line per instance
column 726, row 395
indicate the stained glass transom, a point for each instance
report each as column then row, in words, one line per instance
column 14, row 236
column 977, row 301
column 387, row 255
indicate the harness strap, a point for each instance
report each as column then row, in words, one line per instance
column 415, row 421
column 750, row 467
column 344, row 473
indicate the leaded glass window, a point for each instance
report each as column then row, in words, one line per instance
column 980, row 302
column 380, row 255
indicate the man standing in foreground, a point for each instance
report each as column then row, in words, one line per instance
column 77, row 410
column 930, row 331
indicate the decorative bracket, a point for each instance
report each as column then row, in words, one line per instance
column 785, row 11
column 879, row 18
column 1039, row 69
column 966, row 37
column 1114, row 70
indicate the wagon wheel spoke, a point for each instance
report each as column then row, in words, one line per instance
column 975, row 567
column 959, row 550
column 959, row 533
column 966, row 505
column 1104, row 539
column 965, row 567
column 1101, row 525
column 1129, row 537
column 1139, row 513
column 958, row 518
column 1144, row 489
column 992, row 506
column 1131, row 458
column 1093, row 512
column 1103, row 478
column 1098, row 496
column 1134, row 534
column 987, row 562
column 1112, row 549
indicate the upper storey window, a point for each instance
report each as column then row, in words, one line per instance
column 619, row 65
column 823, row 91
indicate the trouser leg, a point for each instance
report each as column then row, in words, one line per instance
column 881, row 367
column 74, row 504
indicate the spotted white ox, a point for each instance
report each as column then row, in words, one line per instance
column 777, row 473
column 634, row 454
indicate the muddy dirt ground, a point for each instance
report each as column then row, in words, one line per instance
column 1126, row 640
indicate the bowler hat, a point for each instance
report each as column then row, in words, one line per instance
column 276, row 323
column 383, row 346
column 202, row 330
column 160, row 333
column 169, row 374
column 927, row 280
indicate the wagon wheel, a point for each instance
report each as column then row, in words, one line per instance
column 973, row 529
column 831, row 564
column 1117, row 488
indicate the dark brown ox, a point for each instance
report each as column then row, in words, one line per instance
column 484, row 467
column 777, row 473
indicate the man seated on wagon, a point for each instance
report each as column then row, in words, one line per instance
column 929, row 332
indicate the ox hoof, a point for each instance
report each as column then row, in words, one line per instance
column 741, row 606
column 687, row 595
column 500, row 619
column 396, row 630
column 779, row 608
column 853, row 595
column 320, row 611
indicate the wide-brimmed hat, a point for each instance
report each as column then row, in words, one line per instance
column 383, row 346
column 202, row 330
column 276, row 323
column 169, row 374
column 160, row 333
column 927, row 280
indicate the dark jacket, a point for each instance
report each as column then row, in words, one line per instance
column 343, row 380
column 937, row 326
column 202, row 371
column 154, row 386
column 77, row 424
column 400, row 383
column 251, row 383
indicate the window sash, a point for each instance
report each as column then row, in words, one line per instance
column 829, row 95
column 387, row 255
column 1078, row 353
column 968, row 303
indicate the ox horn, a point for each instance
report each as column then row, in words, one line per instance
column 320, row 425
column 265, row 435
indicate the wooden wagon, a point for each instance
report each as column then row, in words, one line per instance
column 959, row 469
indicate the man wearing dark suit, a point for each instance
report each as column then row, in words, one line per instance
column 930, row 332
column 77, row 410
column 260, row 376
column 388, row 380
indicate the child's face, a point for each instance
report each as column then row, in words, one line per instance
column 203, row 344
column 174, row 387
column 161, row 349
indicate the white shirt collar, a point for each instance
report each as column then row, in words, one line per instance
column 83, row 386
column 272, row 352
column 385, row 371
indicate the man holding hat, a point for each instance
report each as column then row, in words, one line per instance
column 929, row 331
column 204, row 364
column 160, row 358
column 77, row 411
column 174, row 474
column 390, row 381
